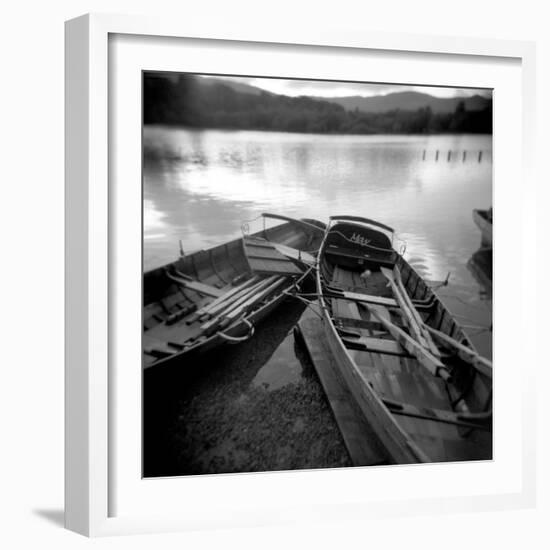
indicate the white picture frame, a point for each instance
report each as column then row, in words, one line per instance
column 94, row 390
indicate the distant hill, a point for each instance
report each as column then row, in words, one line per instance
column 405, row 101
column 408, row 101
column 237, row 86
column 187, row 100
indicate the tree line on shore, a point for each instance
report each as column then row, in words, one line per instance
column 186, row 101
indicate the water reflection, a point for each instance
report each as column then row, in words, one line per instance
column 481, row 267
column 282, row 368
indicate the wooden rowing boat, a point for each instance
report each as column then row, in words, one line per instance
column 484, row 220
column 412, row 371
column 218, row 295
column 481, row 267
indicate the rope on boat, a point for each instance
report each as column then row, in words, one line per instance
column 245, row 225
column 438, row 284
column 238, row 339
column 300, row 297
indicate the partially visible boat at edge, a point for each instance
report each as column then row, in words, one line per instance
column 484, row 220
column 215, row 296
column 408, row 365
column 481, row 267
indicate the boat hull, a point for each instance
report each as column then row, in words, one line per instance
column 220, row 269
column 374, row 379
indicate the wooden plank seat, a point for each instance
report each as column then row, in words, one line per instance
column 370, row 325
column 339, row 292
column 287, row 251
column 264, row 258
column 378, row 345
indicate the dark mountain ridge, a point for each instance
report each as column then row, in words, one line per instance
column 214, row 103
column 409, row 101
column 405, row 101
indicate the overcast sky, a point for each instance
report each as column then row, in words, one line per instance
column 342, row 89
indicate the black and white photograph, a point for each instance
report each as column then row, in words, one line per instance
column 317, row 274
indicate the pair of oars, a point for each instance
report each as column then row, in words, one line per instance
column 424, row 355
column 465, row 353
column 242, row 305
column 223, row 301
column 412, row 317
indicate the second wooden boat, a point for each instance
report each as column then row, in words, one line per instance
column 484, row 220
column 481, row 267
column 408, row 365
column 218, row 295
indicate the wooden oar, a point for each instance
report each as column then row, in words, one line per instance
column 210, row 327
column 403, row 297
column 425, row 358
column 229, row 318
column 465, row 353
column 406, row 308
column 212, row 312
column 221, row 299
column 225, row 307
column 480, row 421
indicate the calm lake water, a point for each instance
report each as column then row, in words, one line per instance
column 200, row 186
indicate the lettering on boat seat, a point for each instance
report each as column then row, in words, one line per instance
column 338, row 253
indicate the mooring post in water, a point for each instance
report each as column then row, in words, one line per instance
column 424, row 154
column 449, row 156
column 464, row 156
column 479, row 157
column 436, row 154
